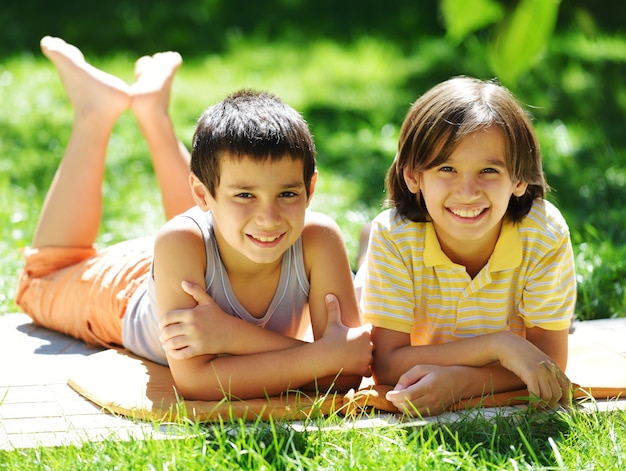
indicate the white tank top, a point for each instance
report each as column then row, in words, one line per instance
column 285, row 315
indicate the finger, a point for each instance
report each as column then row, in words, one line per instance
column 169, row 331
column 562, row 390
column 549, row 392
column 534, row 393
column 167, row 320
column 196, row 292
column 333, row 309
column 555, row 393
column 566, row 386
column 165, row 335
column 174, row 343
column 553, row 385
column 396, row 395
column 172, row 318
column 541, row 393
column 408, row 404
column 403, row 396
column 397, row 398
column 409, row 378
column 180, row 354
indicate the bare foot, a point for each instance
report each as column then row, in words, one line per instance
column 151, row 92
column 89, row 89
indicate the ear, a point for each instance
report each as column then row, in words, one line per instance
column 520, row 189
column 312, row 187
column 200, row 192
column 412, row 180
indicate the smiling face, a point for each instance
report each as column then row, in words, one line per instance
column 467, row 195
column 258, row 208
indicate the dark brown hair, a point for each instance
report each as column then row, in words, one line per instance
column 256, row 125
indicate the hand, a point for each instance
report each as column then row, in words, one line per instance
column 426, row 390
column 186, row 333
column 541, row 375
column 351, row 347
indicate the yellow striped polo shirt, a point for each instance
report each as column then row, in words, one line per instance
column 411, row 286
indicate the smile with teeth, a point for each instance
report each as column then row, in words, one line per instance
column 466, row 213
column 266, row 238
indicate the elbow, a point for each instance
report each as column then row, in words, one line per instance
column 195, row 381
column 195, row 391
column 186, row 390
column 382, row 371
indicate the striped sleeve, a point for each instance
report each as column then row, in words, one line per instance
column 388, row 297
column 549, row 297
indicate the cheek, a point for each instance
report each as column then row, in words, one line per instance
column 431, row 189
column 231, row 215
column 295, row 213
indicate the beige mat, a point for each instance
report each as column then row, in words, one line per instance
column 596, row 366
column 125, row 384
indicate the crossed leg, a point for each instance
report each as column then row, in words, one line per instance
column 72, row 210
column 73, row 207
column 150, row 99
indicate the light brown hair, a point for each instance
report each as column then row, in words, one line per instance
column 439, row 120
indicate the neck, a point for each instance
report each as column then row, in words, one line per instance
column 472, row 254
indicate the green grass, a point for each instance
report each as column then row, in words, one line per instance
column 354, row 97
column 525, row 440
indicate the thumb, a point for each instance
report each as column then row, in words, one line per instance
column 411, row 377
column 196, row 291
column 333, row 309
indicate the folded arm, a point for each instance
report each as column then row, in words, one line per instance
column 244, row 361
column 434, row 376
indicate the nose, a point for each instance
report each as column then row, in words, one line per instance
column 268, row 214
column 467, row 189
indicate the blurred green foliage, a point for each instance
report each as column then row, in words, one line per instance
column 352, row 68
column 196, row 27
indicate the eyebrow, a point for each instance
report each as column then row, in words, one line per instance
column 284, row 186
column 495, row 162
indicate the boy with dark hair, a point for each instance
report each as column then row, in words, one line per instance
column 239, row 273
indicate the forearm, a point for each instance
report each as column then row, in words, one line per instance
column 553, row 343
column 391, row 363
column 250, row 376
column 337, row 383
column 488, row 379
column 207, row 330
column 239, row 337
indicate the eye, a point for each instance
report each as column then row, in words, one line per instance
column 446, row 168
column 288, row 194
column 244, row 195
column 490, row 170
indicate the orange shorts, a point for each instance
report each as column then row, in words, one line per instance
column 83, row 292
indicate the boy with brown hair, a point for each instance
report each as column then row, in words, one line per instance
column 238, row 274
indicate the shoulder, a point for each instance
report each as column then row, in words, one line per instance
column 545, row 220
column 179, row 233
column 321, row 236
column 317, row 219
column 391, row 225
column 319, row 225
